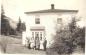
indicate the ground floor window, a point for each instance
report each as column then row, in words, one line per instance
column 38, row 35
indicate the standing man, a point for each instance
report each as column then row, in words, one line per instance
column 44, row 44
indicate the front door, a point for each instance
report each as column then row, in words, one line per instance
column 38, row 34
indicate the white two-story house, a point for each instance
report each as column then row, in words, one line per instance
column 43, row 23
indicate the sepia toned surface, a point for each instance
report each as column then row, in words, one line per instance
column 43, row 27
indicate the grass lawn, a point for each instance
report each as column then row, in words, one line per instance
column 14, row 46
column 17, row 48
column 10, row 40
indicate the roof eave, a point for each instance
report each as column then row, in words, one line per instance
column 51, row 11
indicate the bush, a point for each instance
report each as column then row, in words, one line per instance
column 65, row 41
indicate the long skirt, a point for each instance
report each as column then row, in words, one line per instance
column 41, row 46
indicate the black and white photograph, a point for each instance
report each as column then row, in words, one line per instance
column 42, row 27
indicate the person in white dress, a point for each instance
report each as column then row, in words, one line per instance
column 32, row 43
column 41, row 44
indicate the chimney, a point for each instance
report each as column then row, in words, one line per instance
column 52, row 6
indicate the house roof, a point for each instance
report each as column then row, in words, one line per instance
column 52, row 10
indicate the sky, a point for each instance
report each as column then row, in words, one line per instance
column 16, row 8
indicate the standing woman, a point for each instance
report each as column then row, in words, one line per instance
column 41, row 43
column 32, row 43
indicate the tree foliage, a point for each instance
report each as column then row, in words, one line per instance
column 4, row 23
column 67, row 40
column 21, row 26
column 6, row 29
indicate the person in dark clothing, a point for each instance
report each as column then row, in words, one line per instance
column 44, row 44
column 29, row 46
column 28, row 41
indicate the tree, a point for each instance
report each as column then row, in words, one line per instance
column 65, row 41
column 77, row 35
column 4, row 23
column 23, row 27
column 79, row 38
column 19, row 25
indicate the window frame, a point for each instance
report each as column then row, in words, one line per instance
column 37, row 20
column 59, row 20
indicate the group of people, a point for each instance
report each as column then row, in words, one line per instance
column 37, row 44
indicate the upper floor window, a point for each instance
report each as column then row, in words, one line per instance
column 59, row 20
column 37, row 20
